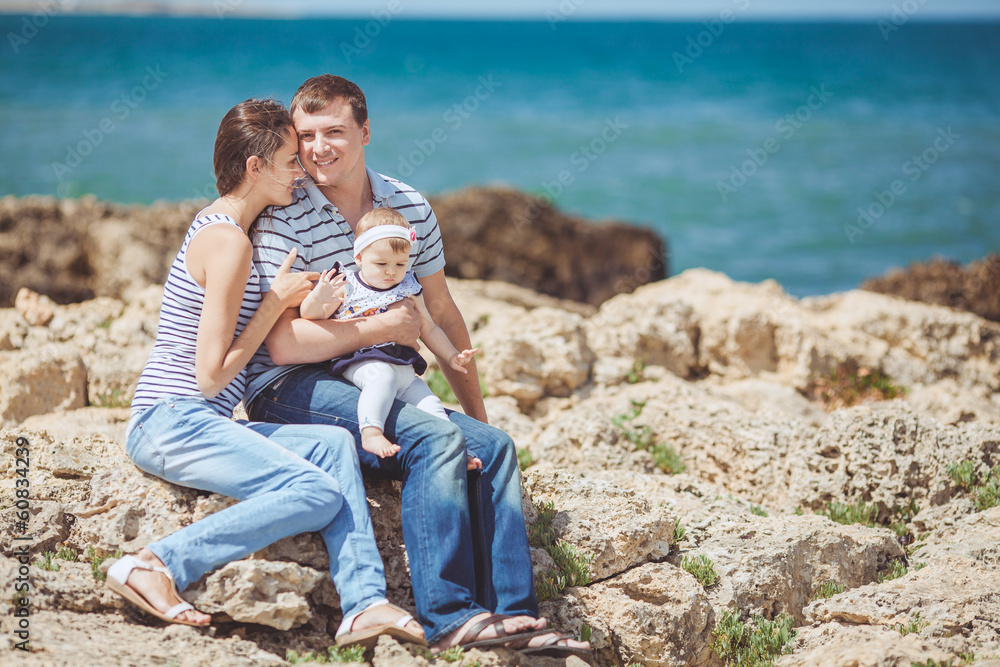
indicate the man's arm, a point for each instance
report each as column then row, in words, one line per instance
column 445, row 313
column 295, row 340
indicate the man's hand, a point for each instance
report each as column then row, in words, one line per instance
column 402, row 322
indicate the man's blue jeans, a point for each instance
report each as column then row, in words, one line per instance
column 290, row 479
column 464, row 533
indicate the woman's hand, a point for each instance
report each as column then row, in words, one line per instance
column 291, row 288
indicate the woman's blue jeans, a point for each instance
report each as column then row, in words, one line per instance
column 464, row 533
column 290, row 479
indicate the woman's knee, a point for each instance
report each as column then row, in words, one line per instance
column 319, row 496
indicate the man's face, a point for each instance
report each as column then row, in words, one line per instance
column 331, row 144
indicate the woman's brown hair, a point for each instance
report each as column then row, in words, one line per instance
column 254, row 127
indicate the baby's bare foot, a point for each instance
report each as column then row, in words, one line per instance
column 473, row 463
column 374, row 441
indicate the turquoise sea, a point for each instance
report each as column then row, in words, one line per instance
column 817, row 154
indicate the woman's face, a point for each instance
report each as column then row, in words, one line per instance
column 279, row 176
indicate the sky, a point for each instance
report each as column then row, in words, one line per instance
column 541, row 9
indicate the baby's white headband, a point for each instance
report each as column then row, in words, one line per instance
column 383, row 232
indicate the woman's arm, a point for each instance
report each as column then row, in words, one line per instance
column 219, row 259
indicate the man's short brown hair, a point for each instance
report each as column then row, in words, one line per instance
column 317, row 93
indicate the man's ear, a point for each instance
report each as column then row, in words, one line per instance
column 366, row 133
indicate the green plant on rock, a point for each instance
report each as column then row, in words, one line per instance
column 637, row 374
column 850, row 514
column 702, row 568
column 895, row 570
column 754, row 643
column 573, row 568
column 849, row 385
column 453, row 654
column 665, row 457
column 115, row 398
column 964, row 474
column 827, row 590
column 96, row 561
column 759, row 511
column 524, row 459
column 586, row 632
column 677, row 535
column 988, row 494
column 48, row 562
column 334, row 654
column 931, row 663
column 67, row 553
column 913, row 627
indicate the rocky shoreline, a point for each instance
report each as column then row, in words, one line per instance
column 665, row 435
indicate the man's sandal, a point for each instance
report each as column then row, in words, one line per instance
column 503, row 639
column 117, row 581
column 368, row 637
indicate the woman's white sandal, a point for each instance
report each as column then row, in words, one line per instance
column 117, row 581
column 367, row 637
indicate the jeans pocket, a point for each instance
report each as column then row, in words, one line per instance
column 144, row 454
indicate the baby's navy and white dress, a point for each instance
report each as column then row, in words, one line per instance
column 387, row 371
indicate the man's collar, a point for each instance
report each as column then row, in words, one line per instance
column 381, row 191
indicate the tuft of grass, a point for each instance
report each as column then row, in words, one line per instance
column 95, row 563
column 849, row 385
column 895, row 570
column 932, row 663
column 112, row 399
column 334, row 654
column 453, row 654
column 827, row 590
column 985, row 489
column 438, row 384
column 637, row 374
column 48, row 562
column 573, row 568
column 67, row 553
column 665, row 457
column 702, row 568
column 678, row 534
column 524, row 459
column 849, row 514
column 586, row 632
column 759, row 511
column 913, row 627
column 754, row 643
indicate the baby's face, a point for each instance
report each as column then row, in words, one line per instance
column 380, row 266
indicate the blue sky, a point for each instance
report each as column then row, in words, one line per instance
column 573, row 9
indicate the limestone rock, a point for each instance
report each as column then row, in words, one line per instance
column 973, row 536
column 866, row 647
column 544, row 353
column 769, row 565
column 269, row 593
column 617, row 527
column 655, row 614
column 887, row 455
column 947, row 598
column 46, row 379
column 36, row 309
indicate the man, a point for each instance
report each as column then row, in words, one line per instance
column 465, row 535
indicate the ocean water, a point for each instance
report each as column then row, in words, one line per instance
column 816, row 154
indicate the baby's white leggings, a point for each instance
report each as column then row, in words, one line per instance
column 380, row 382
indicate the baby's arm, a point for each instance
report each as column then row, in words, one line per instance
column 437, row 340
column 325, row 297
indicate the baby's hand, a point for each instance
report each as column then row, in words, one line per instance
column 325, row 297
column 460, row 360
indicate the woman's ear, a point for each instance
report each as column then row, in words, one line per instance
column 253, row 167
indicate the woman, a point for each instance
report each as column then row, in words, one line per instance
column 291, row 479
